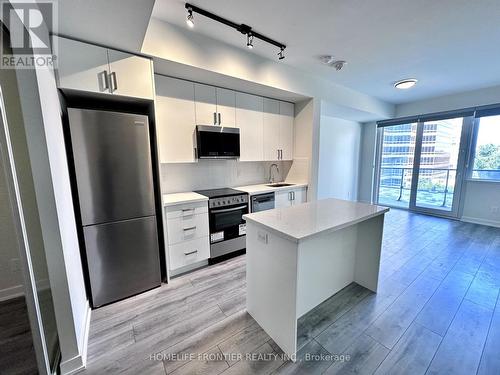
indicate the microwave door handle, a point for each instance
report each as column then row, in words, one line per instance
column 228, row 209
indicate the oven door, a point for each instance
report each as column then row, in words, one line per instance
column 227, row 223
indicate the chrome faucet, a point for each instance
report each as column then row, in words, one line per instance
column 271, row 177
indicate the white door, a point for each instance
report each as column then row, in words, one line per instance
column 287, row 116
column 130, row 75
column 271, row 129
column 226, row 107
column 299, row 196
column 250, row 121
column 175, row 120
column 82, row 66
column 282, row 198
column 205, row 98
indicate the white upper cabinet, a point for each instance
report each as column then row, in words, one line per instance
column 287, row 116
column 226, row 107
column 271, row 133
column 86, row 67
column 130, row 75
column 175, row 120
column 214, row 105
column 206, row 104
column 250, row 121
column 82, row 66
column 278, row 130
column 266, row 125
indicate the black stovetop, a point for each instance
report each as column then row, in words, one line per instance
column 216, row 193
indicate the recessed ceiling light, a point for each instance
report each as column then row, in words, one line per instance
column 405, row 84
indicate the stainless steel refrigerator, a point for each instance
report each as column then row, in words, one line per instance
column 112, row 159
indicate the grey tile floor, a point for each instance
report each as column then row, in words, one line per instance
column 436, row 312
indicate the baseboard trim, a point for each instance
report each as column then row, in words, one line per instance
column 475, row 220
column 12, row 292
column 78, row 362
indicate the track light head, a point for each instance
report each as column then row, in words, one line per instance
column 281, row 53
column 249, row 40
column 190, row 18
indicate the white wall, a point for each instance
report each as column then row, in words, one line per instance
column 367, row 161
column 339, row 150
column 50, row 179
column 11, row 283
column 70, row 282
column 490, row 95
column 212, row 174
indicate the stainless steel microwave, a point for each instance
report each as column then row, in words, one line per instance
column 217, row 142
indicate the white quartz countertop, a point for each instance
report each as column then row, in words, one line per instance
column 263, row 188
column 299, row 222
column 179, row 198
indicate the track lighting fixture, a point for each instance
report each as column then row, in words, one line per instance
column 250, row 41
column 190, row 18
column 281, row 53
column 244, row 29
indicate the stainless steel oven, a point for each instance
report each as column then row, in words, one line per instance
column 226, row 208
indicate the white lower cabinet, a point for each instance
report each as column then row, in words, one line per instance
column 187, row 234
column 299, row 196
column 188, row 252
column 290, row 197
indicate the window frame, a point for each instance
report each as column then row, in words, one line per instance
column 472, row 153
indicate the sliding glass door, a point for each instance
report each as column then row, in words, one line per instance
column 396, row 164
column 421, row 165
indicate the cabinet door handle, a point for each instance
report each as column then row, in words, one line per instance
column 293, row 195
column 219, row 118
column 289, row 195
column 191, row 252
column 187, row 211
column 215, row 118
column 281, row 154
column 103, row 80
column 190, row 228
column 278, row 154
column 114, row 82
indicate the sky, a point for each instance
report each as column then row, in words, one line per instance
column 489, row 130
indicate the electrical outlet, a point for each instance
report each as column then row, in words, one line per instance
column 15, row 265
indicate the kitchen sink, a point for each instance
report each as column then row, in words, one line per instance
column 279, row 184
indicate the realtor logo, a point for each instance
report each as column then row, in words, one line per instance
column 29, row 24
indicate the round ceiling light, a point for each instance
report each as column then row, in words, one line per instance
column 405, row 84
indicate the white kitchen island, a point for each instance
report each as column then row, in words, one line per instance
column 299, row 256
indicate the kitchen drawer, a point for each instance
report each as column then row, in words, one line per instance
column 187, row 209
column 185, row 228
column 189, row 252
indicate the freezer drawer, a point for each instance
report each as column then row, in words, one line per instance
column 112, row 160
column 123, row 259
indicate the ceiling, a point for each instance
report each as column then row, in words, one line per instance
column 450, row 46
column 120, row 24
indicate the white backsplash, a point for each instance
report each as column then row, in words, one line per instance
column 212, row 174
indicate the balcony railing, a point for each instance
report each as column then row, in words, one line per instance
column 433, row 183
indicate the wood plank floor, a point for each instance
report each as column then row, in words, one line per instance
column 17, row 355
column 437, row 312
